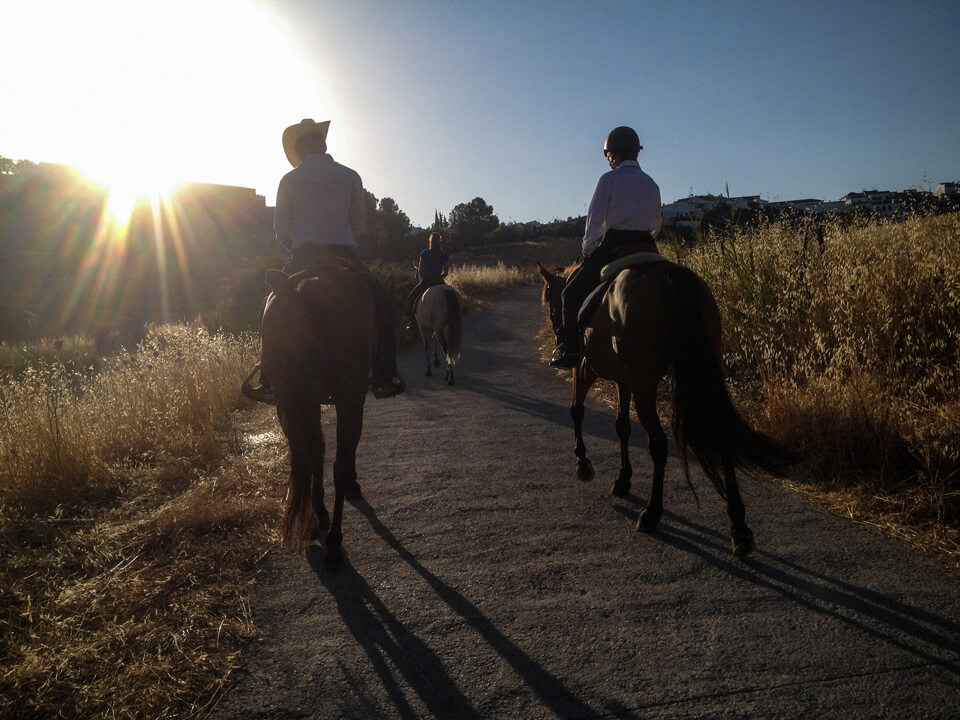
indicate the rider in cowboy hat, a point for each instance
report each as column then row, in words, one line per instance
column 624, row 212
column 319, row 214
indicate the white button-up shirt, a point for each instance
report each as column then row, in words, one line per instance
column 626, row 198
column 319, row 203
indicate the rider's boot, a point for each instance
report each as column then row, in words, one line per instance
column 566, row 354
column 262, row 392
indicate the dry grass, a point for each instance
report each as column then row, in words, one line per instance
column 849, row 352
column 479, row 284
column 129, row 531
column 74, row 352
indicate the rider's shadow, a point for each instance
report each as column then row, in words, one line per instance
column 912, row 629
column 382, row 636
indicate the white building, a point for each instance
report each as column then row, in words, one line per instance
column 947, row 189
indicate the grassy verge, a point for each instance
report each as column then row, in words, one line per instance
column 130, row 522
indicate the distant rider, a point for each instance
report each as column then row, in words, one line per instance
column 319, row 214
column 625, row 212
column 432, row 269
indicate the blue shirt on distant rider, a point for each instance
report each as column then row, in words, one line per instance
column 430, row 264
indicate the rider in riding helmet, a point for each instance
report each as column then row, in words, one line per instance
column 431, row 270
column 624, row 212
column 319, row 214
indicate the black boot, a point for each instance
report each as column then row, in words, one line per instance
column 262, row 392
column 565, row 356
column 388, row 387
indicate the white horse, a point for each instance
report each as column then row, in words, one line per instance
column 438, row 316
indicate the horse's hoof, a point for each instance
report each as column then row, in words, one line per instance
column 648, row 521
column 584, row 470
column 741, row 542
column 620, row 488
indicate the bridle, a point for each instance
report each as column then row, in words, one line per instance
column 556, row 309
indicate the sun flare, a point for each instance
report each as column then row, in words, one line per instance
column 125, row 189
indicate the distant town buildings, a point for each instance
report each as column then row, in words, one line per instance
column 688, row 212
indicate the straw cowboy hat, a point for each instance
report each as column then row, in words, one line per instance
column 295, row 132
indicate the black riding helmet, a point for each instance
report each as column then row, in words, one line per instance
column 622, row 141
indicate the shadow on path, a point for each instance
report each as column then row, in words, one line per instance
column 527, row 404
column 819, row 592
column 386, row 641
column 420, row 666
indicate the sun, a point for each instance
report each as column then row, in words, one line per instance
column 128, row 186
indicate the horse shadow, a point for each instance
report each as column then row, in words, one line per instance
column 866, row 610
column 388, row 643
column 384, row 638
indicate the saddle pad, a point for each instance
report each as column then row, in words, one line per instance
column 610, row 270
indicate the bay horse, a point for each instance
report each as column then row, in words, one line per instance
column 317, row 337
column 656, row 315
column 439, row 319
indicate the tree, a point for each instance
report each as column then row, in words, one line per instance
column 439, row 222
column 12, row 167
column 471, row 223
column 396, row 227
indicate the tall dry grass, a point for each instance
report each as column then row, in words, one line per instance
column 844, row 344
column 479, row 284
column 127, row 529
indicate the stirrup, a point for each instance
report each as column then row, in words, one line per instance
column 564, row 358
column 262, row 392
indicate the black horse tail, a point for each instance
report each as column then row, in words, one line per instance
column 705, row 419
column 453, row 319
column 301, row 424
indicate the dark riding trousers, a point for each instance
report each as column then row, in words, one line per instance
column 586, row 277
column 427, row 281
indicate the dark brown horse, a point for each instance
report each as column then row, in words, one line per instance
column 317, row 337
column 654, row 316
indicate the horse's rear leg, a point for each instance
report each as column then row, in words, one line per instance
column 319, row 509
column 427, row 342
column 646, row 405
column 583, row 378
column 621, row 486
column 349, row 427
column 741, row 536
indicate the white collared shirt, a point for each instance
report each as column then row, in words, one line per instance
column 319, row 203
column 626, row 198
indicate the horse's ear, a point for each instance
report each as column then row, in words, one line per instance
column 547, row 276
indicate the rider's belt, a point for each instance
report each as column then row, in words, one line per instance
column 615, row 239
column 314, row 251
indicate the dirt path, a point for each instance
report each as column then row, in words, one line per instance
column 484, row 580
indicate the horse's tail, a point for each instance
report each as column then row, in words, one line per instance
column 454, row 323
column 302, row 426
column 705, row 419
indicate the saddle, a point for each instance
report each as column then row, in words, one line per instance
column 609, row 273
column 418, row 298
column 278, row 281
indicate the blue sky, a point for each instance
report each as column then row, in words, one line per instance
column 437, row 103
